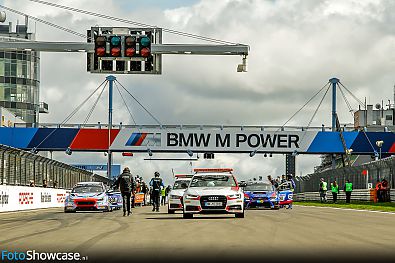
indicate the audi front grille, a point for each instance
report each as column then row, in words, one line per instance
column 213, row 198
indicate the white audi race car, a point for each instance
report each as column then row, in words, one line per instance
column 176, row 193
column 213, row 191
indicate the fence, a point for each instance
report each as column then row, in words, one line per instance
column 360, row 176
column 18, row 167
column 357, row 195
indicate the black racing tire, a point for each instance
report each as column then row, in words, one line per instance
column 187, row 215
column 239, row 215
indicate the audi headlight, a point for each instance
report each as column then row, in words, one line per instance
column 235, row 196
column 191, row 196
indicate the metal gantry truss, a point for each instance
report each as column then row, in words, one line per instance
column 178, row 49
column 172, row 49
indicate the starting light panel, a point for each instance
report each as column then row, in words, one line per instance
column 124, row 50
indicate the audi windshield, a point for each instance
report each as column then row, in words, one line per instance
column 213, row 181
column 181, row 184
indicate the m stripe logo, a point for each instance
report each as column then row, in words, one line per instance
column 136, row 139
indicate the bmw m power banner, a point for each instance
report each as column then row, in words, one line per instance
column 230, row 140
column 234, row 141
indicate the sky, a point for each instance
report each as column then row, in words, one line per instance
column 296, row 47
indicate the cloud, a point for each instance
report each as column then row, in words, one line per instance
column 296, row 46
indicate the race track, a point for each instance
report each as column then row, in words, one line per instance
column 301, row 232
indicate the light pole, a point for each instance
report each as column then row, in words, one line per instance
column 380, row 145
column 110, row 80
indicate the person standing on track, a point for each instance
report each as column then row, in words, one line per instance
column 335, row 190
column 348, row 189
column 144, row 189
column 156, row 183
column 323, row 189
column 163, row 195
column 292, row 188
column 126, row 184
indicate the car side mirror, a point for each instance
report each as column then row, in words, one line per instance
column 242, row 184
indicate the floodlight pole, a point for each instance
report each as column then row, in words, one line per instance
column 334, row 82
column 110, row 80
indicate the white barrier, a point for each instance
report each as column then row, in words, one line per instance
column 13, row 198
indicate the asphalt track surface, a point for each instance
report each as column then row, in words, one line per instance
column 301, row 233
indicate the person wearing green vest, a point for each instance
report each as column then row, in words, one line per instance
column 348, row 189
column 335, row 190
column 323, row 189
column 163, row 195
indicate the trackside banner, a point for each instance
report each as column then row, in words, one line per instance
column 215, row 141
column 231, row 140
column 13, row 198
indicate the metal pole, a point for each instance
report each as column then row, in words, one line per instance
column 367, row 179
column 380, row 153
column 334, row 82
column 110, row 80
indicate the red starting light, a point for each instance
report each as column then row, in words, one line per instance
column 100, row 51
column 145, row 52
column 127, row 154
column 115, row 51
column 130, row 52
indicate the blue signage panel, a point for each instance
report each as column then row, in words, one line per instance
column 115, row 168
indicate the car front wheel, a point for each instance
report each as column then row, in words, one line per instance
column 239, row 215
column 187, row 216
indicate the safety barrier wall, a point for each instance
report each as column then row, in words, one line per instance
column 18, row 167
column 13, row 198
column 357, row 195
column 360, row 176
column 392, row 195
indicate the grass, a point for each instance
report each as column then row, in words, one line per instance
column 387, row 207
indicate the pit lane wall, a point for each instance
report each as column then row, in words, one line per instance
column 14, row 198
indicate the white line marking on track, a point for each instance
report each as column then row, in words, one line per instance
column 350, row 209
